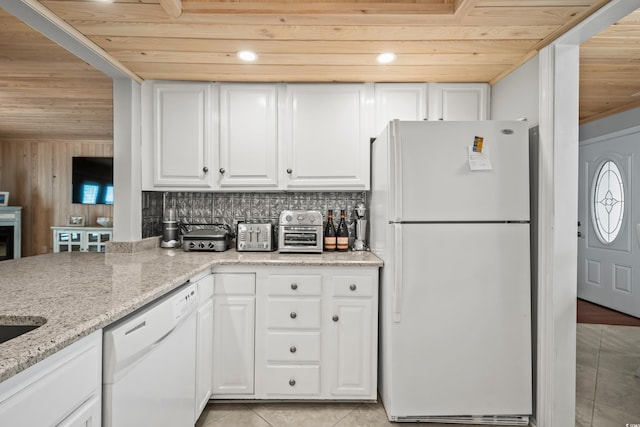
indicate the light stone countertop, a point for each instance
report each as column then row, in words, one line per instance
column 78, row 293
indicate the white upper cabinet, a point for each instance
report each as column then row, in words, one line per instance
column 177, row 135
column 459, row 101
column 248, row 136
column 268, row 136
column 402, row 101
column 326, row 136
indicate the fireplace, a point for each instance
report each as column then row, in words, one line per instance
column 10, row 227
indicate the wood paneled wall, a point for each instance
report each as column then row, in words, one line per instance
column 53, row 106
column 37, row 173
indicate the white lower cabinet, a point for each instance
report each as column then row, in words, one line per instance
column 62, row 390
column 234, row 304
column 352, row 333
column 315, row 333
column 204, row 343
column 89, row 414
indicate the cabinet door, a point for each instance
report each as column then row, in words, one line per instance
column 204, row 355
column 402, row 101
column 68, row 240
column 352, row 353
column 248, row 136
column 181, row 134
column 327, row 140
column 233, row 344
column 458, row 101
column 95, row 241
column 89, row 414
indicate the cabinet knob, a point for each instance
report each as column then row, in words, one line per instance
column 293, row 349
column 289, row 170
column 293, row 315
column 292, row 382
column 222, row 170
column 205, row 169
column 294, row 286
column 335, row 318
column 352, row 286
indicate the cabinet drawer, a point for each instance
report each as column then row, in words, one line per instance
column 293, row 380
column 293, row 313
column 234, row 284
column 293, row 347
column 353, row 286
column 292, row 285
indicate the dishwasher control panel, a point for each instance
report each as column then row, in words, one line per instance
column 184, row 302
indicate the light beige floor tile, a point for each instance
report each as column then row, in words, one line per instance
column 588, row 339
column 605, row 416
column 584, row 412
column 586, row 381
column 625, row 339
column 228, row 415
column 301, row 414
column 622, row 363
column 366, row 415
column 588, row 336
column 619, row 391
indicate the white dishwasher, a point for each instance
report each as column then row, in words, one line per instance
column 149, row 364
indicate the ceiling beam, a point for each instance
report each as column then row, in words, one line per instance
column 41, row 19
column 172, row 7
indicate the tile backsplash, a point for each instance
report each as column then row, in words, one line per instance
column 230, row 208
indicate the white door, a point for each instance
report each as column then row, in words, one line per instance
column 462, row 340
column 182, row 135
column 402, row 101
column 326, row 135
column 609, row 217
column 248, row 136
column 434, row 180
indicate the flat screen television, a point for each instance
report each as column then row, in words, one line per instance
column 92, row 180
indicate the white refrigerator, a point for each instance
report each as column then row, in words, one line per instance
column 452, row 227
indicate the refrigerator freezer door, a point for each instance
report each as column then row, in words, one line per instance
column 433, row 179
column 463, row 342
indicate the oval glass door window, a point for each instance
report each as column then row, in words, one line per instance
column 608, row 202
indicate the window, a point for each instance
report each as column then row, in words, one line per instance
column 608, row 202
column 90, row 193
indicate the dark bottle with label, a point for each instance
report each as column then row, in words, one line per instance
column 342, row 234
column 330, row 233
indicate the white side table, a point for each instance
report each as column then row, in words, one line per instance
column 80, row 239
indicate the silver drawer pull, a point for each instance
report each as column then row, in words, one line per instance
column 292, row 382
column 293, row 349
column 294, row 286
column 293, row 315
column 335, row 318
column 352, row 286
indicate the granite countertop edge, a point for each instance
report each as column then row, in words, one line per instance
column 76, row 269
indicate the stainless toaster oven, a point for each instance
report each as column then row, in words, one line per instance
column 300, row 231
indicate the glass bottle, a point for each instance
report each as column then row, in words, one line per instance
column 330, row 233
column 342, row 234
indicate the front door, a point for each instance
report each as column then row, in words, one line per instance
column 609, row 222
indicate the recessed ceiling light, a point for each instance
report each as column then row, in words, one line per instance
column 385, row 58
column 247, row 55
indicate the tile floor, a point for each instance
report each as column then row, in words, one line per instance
column 607, row 392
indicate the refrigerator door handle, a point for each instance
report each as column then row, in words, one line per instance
column 395, row 153
column 397, row 294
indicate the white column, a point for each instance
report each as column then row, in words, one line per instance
column 127, row 177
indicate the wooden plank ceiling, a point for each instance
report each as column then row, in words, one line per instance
column 337, row 41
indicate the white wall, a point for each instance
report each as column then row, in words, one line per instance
column 617, row 122
column 516, row 96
